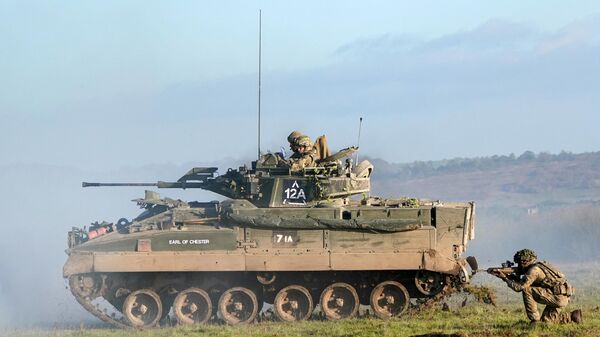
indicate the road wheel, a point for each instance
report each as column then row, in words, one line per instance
column 389, row 299
column 339, row 301
column 238, row 305
column 142, row 308
column 293, row 303
column 192, row 305
column 428, row 282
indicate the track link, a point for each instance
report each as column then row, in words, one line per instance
column 86, row 303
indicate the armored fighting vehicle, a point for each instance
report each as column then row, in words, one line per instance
column 293, row 240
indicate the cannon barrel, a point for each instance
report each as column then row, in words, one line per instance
column 85, row 184
column 160, row 184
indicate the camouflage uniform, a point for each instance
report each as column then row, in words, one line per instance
column 541, row 283
column 300, row 160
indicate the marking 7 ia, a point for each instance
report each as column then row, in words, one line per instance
column 280, row 238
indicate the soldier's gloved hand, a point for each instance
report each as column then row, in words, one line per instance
column 514, row 277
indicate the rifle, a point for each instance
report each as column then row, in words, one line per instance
column 507, row 271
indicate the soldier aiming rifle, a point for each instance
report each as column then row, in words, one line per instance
column 539, row 282
column 507, row 271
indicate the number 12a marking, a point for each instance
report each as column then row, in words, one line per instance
column 292, row 193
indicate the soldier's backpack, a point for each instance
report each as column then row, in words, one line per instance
column 555, row 280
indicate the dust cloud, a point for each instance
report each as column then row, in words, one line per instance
column 40, row 204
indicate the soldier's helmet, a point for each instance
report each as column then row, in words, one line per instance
column 293, row 136
column 304, row 141
column 524, row 256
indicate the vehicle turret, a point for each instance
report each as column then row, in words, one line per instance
column 271, row 183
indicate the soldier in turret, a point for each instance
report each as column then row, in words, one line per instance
column 293, row 136
column 541, row 282
column 304, row 154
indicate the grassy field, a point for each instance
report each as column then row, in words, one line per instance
column 472, row 320
column 475, row 319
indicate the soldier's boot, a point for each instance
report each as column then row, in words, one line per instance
column 577, row 316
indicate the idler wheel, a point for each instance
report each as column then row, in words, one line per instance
column 192, row 305
column 389, row 299
column 238, row 305
column 142, row 308
column 339, row 301
column 85, row 285
column 429, row 283
column 293, row 303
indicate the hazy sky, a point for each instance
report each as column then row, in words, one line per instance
column 110, row 82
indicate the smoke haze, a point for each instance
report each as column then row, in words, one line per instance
column 41, row 203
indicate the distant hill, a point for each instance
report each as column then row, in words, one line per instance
column 531, row 178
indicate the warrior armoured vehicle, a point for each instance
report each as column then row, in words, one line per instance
column 294, row 240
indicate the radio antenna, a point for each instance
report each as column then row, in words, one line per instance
column 358, row 142
column 259, row 71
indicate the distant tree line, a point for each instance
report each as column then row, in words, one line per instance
column 422, row 169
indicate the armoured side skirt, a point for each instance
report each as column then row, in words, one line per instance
column 201, row 261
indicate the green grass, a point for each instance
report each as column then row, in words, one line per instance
column 474, row 320
column 478, row 320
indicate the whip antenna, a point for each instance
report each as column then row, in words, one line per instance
column 259, row 71
column 358, row 142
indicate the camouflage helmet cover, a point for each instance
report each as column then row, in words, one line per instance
column 303, row 141
column 525, row 255
column 293, row 136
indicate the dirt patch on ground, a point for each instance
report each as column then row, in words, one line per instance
column 464, row 334
column 442, row 335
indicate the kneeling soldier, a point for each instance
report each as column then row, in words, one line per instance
column 541, row 282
